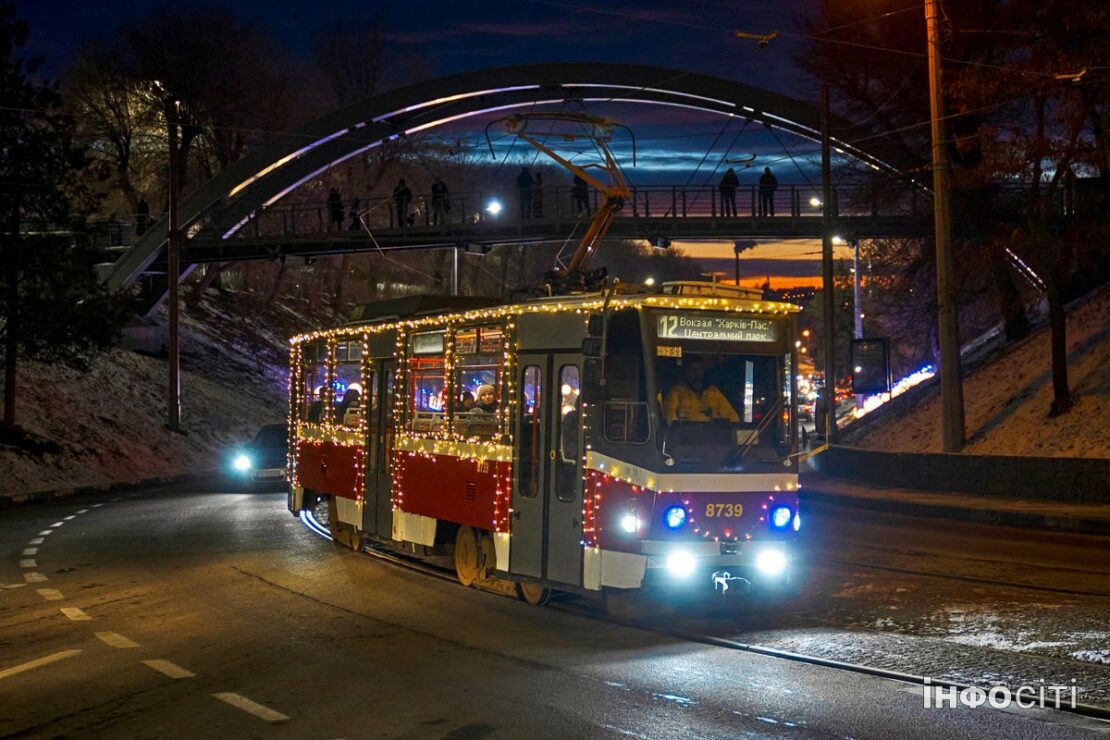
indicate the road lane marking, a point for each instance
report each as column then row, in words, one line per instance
column 56, row 524
column 75, row 614
column 71, row 516
column 50, row 594
column 10, row 586
column 28, row 563
column 35, row 541
column 46, row 532
column 169, row 669
column 83, row 511
column 29, row 551
column 116, row 640
column 34, row 577
column 38, row 663
column 250, row 707
column 97, row 506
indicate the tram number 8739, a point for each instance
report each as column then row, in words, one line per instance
column 723, row 510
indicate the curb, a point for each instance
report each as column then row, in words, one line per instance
column 1029, row 520
column 34, row 497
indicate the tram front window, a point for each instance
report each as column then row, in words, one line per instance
column 721, row 410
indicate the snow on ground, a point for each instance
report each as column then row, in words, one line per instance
column 1006, row 401
column 110, row 421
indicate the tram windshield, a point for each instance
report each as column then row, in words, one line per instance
column 724, row 391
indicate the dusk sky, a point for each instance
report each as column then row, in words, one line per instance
column 449, row 37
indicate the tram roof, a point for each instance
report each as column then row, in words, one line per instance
column 433, row 310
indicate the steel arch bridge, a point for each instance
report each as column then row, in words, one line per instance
column 233, row 198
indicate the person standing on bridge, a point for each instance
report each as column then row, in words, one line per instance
column 439, row 202
column 727, row 187
column 537, row 196
column 353, row 214
column 581, row 196
column 402, row 197
column 335, row 210
column 524, row 183
column 768, row 184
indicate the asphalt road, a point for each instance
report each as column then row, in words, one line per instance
column 183, row 613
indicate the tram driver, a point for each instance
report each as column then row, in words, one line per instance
column 692, row 400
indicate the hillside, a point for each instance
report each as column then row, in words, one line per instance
column 109, row 424
column 1006, row 400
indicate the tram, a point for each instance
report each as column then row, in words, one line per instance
column 623, row 438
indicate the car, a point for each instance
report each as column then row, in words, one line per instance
column 261, row 462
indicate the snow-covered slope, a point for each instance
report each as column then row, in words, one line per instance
column 110, row 422
column 1006, row 401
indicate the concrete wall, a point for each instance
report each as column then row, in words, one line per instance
column 1055, row 478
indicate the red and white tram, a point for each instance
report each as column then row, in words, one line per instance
column 619, row 440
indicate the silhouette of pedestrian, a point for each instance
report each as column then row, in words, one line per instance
column 142, row 217
column 768, row 184
column 353, row 214
column 581, row 196
column 537, row 196
column 727, row 187
column 439, row 202
column 524, row 188
column 335, row 210
column 402, row 197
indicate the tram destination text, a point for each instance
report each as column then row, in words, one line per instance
column 716, row 328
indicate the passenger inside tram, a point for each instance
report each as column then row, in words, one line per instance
column 487, row 399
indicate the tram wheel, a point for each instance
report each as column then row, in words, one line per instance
column 468, row 565
column 533, row 593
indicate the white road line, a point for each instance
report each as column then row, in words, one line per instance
column 10, row 586
column 46, row 532
column 83, row 511
column 28, row 563
column 97, row 506
column 116, row 640
column 57, row 524
column 34, row 577
column 35, row 541
column 29, row 551
column 38, row 663
column 75, row 614
column 250, row 707
column 169, row 669
column 71, row 516
column 50, row 594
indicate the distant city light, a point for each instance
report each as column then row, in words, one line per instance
column 650, row 281
column 815, row 202
column 493, row 207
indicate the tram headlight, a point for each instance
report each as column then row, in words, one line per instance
column 681, row 563
column 629, row 523
column 242, row 462
column 674, row 517
column 770, row 561
column 780, row 516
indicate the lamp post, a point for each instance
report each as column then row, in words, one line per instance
column 173, row 273
column 951, row 383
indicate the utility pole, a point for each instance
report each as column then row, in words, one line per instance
column 829, row 340
column 173, row 272
column 857, row 302
column 951, row 383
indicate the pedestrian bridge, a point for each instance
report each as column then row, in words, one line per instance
column 246, row 212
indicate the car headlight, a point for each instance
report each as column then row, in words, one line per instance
column 780, row 516
column 681, row 563
column 770, row 561
column 674, row 517
column 242, row 463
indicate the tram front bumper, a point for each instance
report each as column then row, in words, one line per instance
column 677, row 564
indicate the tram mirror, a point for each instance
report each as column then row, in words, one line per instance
column 596, row 325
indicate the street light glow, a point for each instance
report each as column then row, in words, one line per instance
column 494, row 207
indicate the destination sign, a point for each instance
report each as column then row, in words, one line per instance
column 707, row 327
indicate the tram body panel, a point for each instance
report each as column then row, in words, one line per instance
column 455, row 489
column 331, row 468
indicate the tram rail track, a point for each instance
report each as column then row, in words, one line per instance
column 1092, row 711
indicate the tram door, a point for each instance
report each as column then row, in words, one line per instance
column 547, row 478
column 382, row 446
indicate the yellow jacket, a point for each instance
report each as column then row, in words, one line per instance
column 683, row 404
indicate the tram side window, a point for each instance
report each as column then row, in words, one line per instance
column 477, row 382
column 531, row 431
column 626, row 409
column 347, row 403
column 371, row 414
column 315, row 379
column 427, row 386
column 569, row 421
